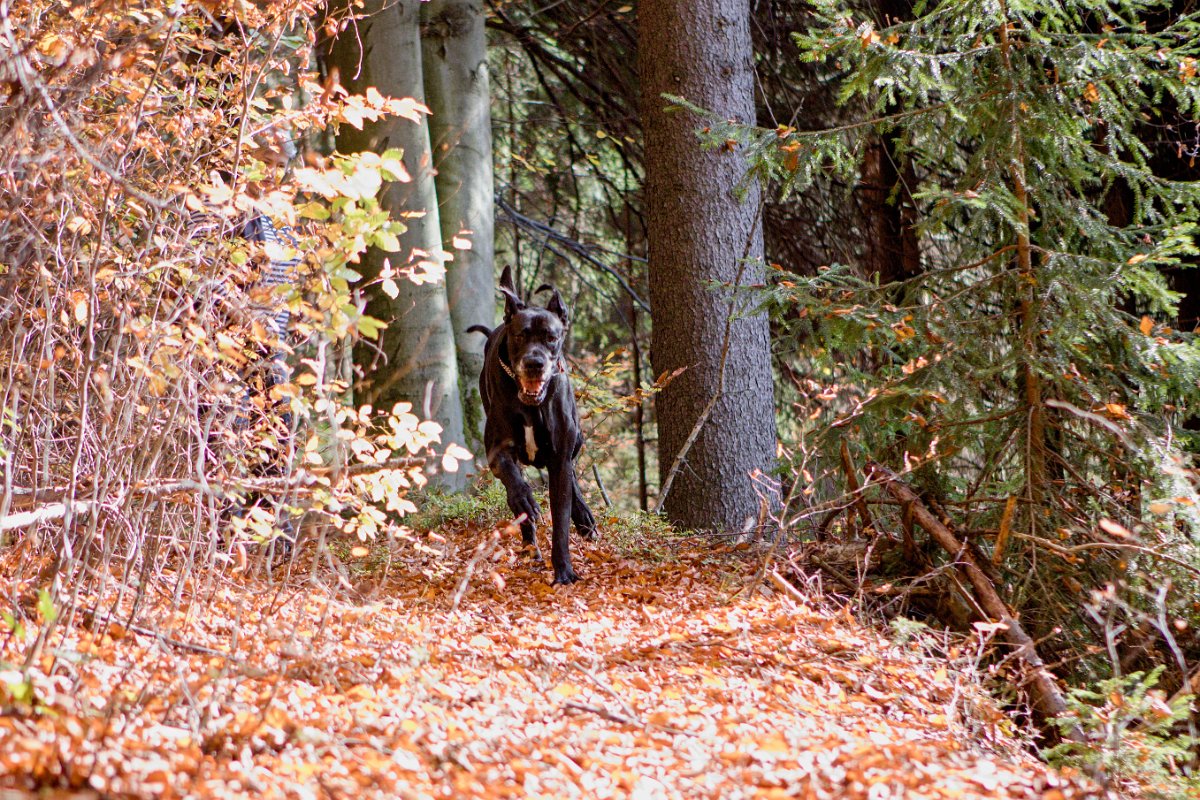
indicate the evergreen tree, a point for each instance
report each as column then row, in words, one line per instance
column 716, row 420
column 1024, row 372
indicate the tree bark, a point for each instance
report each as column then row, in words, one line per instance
column 457, row 90
column 414, row 360
column 699, row 232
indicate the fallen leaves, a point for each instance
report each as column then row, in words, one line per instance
column 642, row 681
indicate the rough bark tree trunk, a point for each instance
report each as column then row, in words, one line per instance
column 415, row 359
column 457, row 90
column 699, row 232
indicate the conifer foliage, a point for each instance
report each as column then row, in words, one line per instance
column 1027, row 374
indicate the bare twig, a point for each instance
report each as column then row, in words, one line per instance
column 482, row 551
column 577, row 247
column 57, row 507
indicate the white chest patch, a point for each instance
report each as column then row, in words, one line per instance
column 530, row 444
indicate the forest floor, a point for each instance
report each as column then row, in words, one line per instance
column 653, row 677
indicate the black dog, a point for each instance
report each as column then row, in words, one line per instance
column 532, row 419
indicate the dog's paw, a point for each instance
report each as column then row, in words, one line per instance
column 564, row 576
column 565, row 579
column 587, row 528
column 521, row 502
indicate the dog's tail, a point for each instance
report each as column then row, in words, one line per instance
column 486, row 331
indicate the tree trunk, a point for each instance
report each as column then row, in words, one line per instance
column 700, row 232
column 414, row 359
column 457, row 90
column 1030, row 327
column 892, row 250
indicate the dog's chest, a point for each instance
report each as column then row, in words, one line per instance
column 530, row 443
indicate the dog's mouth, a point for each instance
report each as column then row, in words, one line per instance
column 533, row 389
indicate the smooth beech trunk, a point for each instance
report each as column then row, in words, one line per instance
column 457, row 90
column 700, row 231
column 415, row 359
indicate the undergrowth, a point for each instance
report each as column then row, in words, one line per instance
column 484, row 505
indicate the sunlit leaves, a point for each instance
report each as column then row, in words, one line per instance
column 372, row 106
column 145, row 149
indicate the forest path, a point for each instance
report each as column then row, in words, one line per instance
column 650, row 678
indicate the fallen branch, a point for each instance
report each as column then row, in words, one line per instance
column 613, row 716
column 858, row 503
column 603, row 713
column 841, row 577
column 782, row 584
column 1047, row 699
column 56, row 507
column 43, row 514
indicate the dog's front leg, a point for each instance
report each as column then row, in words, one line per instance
column 562, row 501
column 581, row 515
column 520, row 499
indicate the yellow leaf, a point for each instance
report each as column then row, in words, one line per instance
column 360, row 691
column 393, row 168
column 80, row 301
column 1146, row 326
column 775, row 743
column 408, row 108
column 1115, row 529
column 1137, row 258
column 1091, row 93
column 1116, row 411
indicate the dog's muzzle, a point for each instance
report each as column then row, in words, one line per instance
column 533, row 389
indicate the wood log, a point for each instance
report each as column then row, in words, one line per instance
column 859, row 504
column 1039, row 681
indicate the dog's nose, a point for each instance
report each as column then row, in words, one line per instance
column 534, row 364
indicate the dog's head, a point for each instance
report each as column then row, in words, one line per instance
column 535, row 339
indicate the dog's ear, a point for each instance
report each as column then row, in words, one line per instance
column 512, row 301
column 556, row 305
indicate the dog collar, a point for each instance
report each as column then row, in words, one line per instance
column 562, row 367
